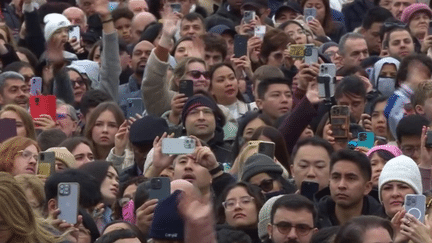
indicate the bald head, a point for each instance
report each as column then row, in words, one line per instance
column 138, row 6
column 77, row 17
column 139, row 23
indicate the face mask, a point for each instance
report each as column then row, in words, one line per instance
column 386, row 86
column 128, row 212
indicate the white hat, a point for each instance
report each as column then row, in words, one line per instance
column 89, row 68
column 402, row 169
column 264, row 216
column 53, row 22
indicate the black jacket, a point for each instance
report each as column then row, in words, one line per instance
column 226, row 233
column 354, row 13
column 220, row 148
column 129, row 173
column 338, row 31
column 327, row 216
column 234, row 16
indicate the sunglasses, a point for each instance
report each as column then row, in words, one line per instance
column 266, row 185
column 80, row 82
column 197, row 74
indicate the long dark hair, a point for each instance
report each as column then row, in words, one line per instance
column 213, row 70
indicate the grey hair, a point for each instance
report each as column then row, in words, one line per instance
column 344, row 38
column 9, row 75
column 71, row 109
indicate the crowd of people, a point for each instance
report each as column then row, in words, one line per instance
column 128, row 76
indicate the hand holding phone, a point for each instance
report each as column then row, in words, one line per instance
column 35, row 86
column 176, row 7
column 181, row 145
column 309, row 188
column 74, row 32
column 68, row 201
column 248, row 16
column 46, row 165
column 240, row 45
column 186, row 88
column 340, row 115
column 267, row 148
column 159, row 188
column 415, row 205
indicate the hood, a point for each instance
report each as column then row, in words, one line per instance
column 378, row 66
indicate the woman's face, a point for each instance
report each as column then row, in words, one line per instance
column 97, row 55
column 26, row 161
column 379, row 121
column 183, row 50
column 320, row 8
column 377, row 164
column 243, row 211
column 110, row 186
column 78, row 85
column 393, row 196
column 296, row 33
column 419, row 24
column 265, row 182
column 388, row 70
column 104, row 129
column 196, row 71
column 82, row 154
column 224, row 85
column 251, row 127
column 276, row 58
column 62, row 34
column 21, row 130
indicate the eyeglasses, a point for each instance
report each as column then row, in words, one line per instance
column 80, row 82
column 197, row 74
column 409, row 150
column 229, row 205
column 61, row 116
column 285, row 227
column 28, row 155
column 266, row 185
column 123, row 201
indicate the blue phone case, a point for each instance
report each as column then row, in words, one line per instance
column 366, row 139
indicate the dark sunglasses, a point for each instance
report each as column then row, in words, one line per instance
column 266, row 185
column 80, row 82
column 197, row 74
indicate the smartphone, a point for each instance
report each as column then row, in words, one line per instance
column 309, row 14
column 297, row 51
column 254, row 143
column 186, row 88
column 310, row 54
column 112, row 6
column 159, row 188
column 46, row 164
column 429, row 139
column 176, row 7
column 248, row 16
column 260, row 31
column 415, row 205
column 35, row 85
column 340, row 115
column 366, row 139
column 7, row 129
column 68, row 201
column 74, row 32
column 43, row 104
column 134, row 106
column 267, row 148
column 240, row 45
column 309, row 188
column 326, row 80
column 430, row 28
column 181, row 145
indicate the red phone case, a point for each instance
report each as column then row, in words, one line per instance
column 42, row 104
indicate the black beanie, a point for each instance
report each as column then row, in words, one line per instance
column 197, row 101
column 143, row 131
column 259, row 163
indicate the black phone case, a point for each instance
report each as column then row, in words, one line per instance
column 186, row 88
column 240, row 45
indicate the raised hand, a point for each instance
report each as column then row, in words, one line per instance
column 144, row 215
column 121, row 139
column 415, row 230
column 177, row 104
column 161, row 161
column 425, row 153
column 101, row 7
column 44, row 122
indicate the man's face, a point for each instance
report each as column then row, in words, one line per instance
column 347, row 184
column 229, row 39
column 400, row 44
column 410, row 146
column 64, row 121
column 187, row 168
column 200, row 122
column 356, row 104
column 373, row 39
column 277, row 101
column 356, row 50
column 139, row 23
column 87, row 6
column 194, row 28
column 77, row 17
column 123, row 27
column 27, row 73
column 212, row 58
column 285, row 217
column 140, row 56
column 138, row 6
column 286, row 15
column 311, row 163
column 398, row 7
column 15, row 92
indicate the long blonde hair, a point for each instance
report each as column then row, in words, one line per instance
column 36, row 186
column 16, row 212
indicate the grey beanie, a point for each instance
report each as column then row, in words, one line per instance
column 264, row 217
column 259, row 163
column 325, row 46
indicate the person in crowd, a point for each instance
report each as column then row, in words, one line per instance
column 379, row 156
column 351, row 92
column 384, row 75
column 371, row 27
column 416, row 17
column 241, row 199
column 122, row 18
column 421, row 98
column 20, row 156
column 66, row 118
column 119, row 235
column 192, row 25
column 139, row 24
column 76, row 17
column 24, row 122
column 295, row 31
column 353, row 49
column 398, row 6
column 63, row 158
column 50, row 138
column 215, row 50
column 378, row 119
column 24, row 68
column 408, row 137
column 81, row 148
column 399, row 43
column 287, row 11
column 33, row 188
column 138, row 6
column 366, row 229
column 102, row 126
column 127, row 192
column 13, row 89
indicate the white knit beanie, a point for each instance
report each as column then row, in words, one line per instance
column 264, row 216
column 53, row 22
column 402, row 169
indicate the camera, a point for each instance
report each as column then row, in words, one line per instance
column 156, row 183
column 64, row 190
column 362, row 136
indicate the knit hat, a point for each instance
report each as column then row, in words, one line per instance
column 414, row 8
column 389, row 148
column 264, row 217
column 143, row 131
column 88, row 68
column 62, row 154
column 326, row 46
column 259, row 163
column 402, row 169
column 197, row 101
column 167, row 223
column 53, row 22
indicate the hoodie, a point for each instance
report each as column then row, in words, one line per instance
column 397, row 107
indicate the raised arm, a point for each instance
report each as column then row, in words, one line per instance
column 34, row 35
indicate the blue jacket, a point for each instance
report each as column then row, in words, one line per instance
column 128, row 90
column 395, row 108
